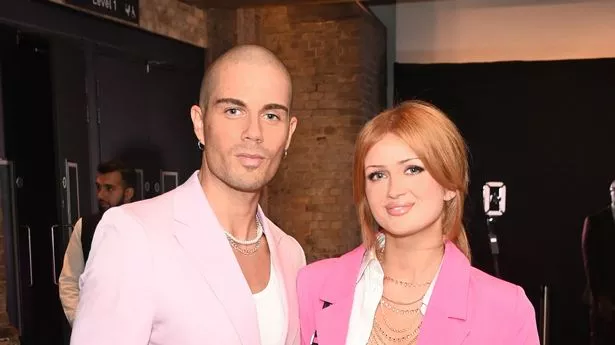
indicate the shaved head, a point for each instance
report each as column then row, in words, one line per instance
column 243, row 120
column 242, row 54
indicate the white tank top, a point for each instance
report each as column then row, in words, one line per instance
column 270, row 311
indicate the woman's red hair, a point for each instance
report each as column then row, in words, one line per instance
column 437, row 142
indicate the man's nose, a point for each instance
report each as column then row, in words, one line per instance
column 253, row 130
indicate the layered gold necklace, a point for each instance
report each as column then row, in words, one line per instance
column 398, row 322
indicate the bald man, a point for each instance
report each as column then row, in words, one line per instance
column 202, row 264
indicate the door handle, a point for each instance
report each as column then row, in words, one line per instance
column 53, row 249
column 53, row 253
column 545, row 315
column 30, row 269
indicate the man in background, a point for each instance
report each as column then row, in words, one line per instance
column 115, row 186
column 598, row 258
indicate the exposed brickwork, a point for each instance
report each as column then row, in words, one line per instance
column 169, row 18
column 247, row 20
column 337, row 73
column 175, row 19
column 312, row 198
column 373, row 65
column 222, row 31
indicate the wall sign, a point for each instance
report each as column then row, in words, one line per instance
column 127, row 10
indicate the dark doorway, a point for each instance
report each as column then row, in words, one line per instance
column 30, row 146
column 76, row 91
column 145, row 118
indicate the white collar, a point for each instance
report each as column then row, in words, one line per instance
column 370, row 259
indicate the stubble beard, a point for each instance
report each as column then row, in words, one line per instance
column 247, row 181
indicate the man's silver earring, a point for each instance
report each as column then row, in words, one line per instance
column 200, row 145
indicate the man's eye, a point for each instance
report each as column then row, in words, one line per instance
column 271, row 116
column 232, row 111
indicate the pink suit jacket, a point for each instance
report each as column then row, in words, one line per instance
column 161, row 272
column 467, row 306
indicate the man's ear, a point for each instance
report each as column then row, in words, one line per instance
column 196, row 114
column 291, row 131
column 129, row 193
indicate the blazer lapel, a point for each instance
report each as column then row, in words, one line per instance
column 198, row 231
column 446, row 319
column 338, row 290
column 287, row 279
column 439, row 328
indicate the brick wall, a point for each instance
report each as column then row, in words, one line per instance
column 174, row 19
column 221, row 24
column 335, row 54
column 169, row 18
column 374, row 65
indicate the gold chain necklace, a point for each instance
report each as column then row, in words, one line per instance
column 237, row 245
column 405, row 283
column 410, row 337
column 245, row 251
column 386, row 333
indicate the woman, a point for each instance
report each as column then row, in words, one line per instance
column 411, row 281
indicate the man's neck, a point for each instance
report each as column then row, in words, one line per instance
column 235, row 210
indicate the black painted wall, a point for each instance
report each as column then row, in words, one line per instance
column 546, row 130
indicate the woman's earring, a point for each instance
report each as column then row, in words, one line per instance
column 285, row 153
column 200, row 145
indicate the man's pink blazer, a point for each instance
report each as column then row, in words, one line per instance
column 161, row 272
column 467, row 306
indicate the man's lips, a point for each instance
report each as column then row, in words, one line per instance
column 250, row 160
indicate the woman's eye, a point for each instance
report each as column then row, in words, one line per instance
column 375, row 176
column 414, row 170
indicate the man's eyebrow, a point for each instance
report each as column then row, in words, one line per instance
column 275, row 106
column 233, row 101
column 240, row 103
